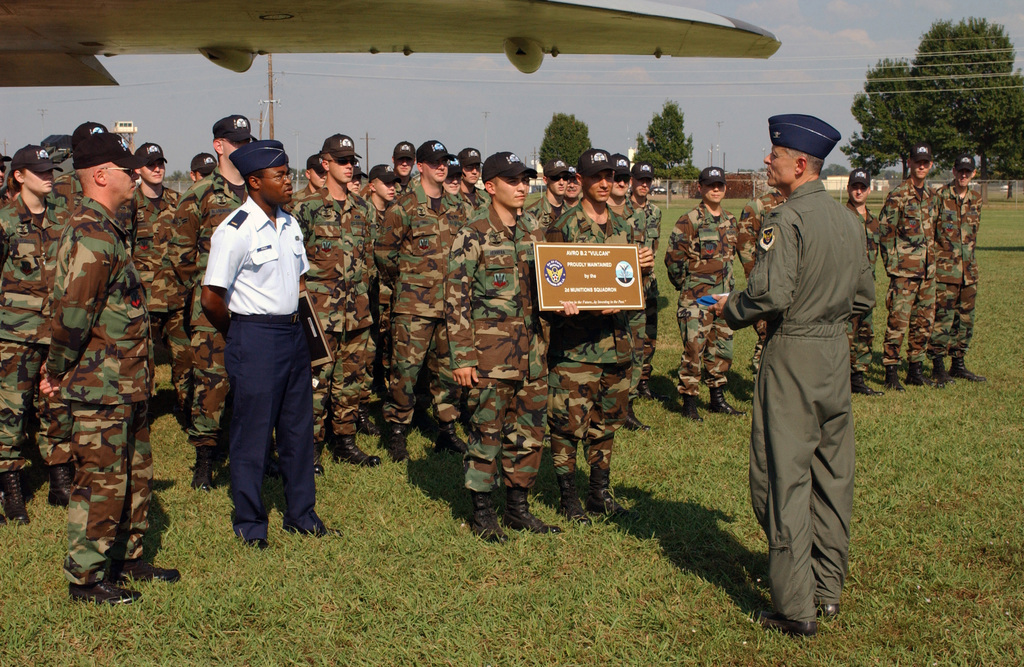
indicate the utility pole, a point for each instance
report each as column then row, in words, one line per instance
column 486, row 114
column 42, row 124
column 719, row 124
column 367, row 138
column 270, row 91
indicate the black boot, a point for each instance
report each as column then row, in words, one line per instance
column 643, row 390
column 858, row 386
column 720, row 405
column 484, row 522
column 202, row 477
column 394, row 441
column 363, row 422
column 690, row 408
column 318, row 466
column 915, row 376
column 939, row 375
column 892, row 380
column 14, row 501
column 61, row 477
column 632, row 423
column 958, row 369
column 570, row 506
column 448, row 440
column 600, row 500
column 345, row 449
column 518, row 516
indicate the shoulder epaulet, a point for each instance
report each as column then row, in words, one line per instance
column 238, row 218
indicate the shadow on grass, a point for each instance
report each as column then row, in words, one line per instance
column 442, row 478
column 158, row 519
column 1010, row 248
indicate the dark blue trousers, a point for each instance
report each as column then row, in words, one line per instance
column 268, row 366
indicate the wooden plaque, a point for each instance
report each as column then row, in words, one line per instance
column 594, row 276
column 319, row 349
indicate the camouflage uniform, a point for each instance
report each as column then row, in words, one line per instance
column 494, row 325
column 28, row 257
column 544, row 211
column 699, row 261
column 67, row 191
column 590, row 359
column 200, row 210
column 956, row 272
column 652, row 234
column 861, row 329
column 413, row 255
column 340, row 252
column 906, row 228
column 749, row 227
column 380, row 304
column 637, row 318
column 100, row 353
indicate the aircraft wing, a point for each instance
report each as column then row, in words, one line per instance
column 56, row 42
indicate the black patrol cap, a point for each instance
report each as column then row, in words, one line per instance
column 620, row 164
column 31, row 157
column 233, row 128
column 859, row 177
column 921, row 151
column 152, row 152
column 642, row 170
column 594, row 161
column 204, row 163
column 313, row 162
column 469, row 157
column 357, row 173
column 104, row 147
column 385, row 172
column 433, row 151
column 556, row 167
column 84, row 131
column 964, row 162
column 454, row 168
column 505, row 164
column 404, row 149
column 712, row 175
column 339, row 145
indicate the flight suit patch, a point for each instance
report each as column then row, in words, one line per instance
column 767, row 238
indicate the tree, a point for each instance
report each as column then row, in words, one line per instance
column 565, row 138
column 835, row 170
column 666, row 145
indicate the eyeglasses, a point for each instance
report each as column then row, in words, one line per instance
column 130, row 172
column 562, row 177
column 623, row 179
column 343, row 161
column 470, row 167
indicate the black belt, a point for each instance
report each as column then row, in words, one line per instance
column 267, row 319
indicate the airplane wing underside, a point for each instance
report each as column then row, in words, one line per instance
column 55, row 42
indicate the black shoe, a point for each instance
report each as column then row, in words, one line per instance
column 394, row 442
column 828, row 610
column 773, row 621
column 939, row 375
column 632, row 423
column 319, row 531
column 484, row 522
column 858, row 386
column 570, row 506
column 102, row 592
column 958, row 369
column 720, row 405
column 363, row 422
column 61, row 477
column 139, row 570
column 422, row 421
column 643, row 390
column 346, row 450
column 448, row 440
column 599, row 500
column 892, row 380
column 690, row 408
column 14, row 501
column 518, row 516
column 259, row 543
column 915, row 376
column 318, row 468
column 202, row 476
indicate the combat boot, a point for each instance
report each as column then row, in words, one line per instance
column 102, row 592
column 600, row 500
column 448, row 440
column 958, row 369
column 518, row 516
column 632, row 423
column 14, row 501
column 202, row 475
column 394, row 441
column 643, row 390
column 345, row 449
column 484, row 522
column 139, row 570
column 570, row 506
column 690, row 408
column 62, row 476
column 892, row 379
column 915, row 376
column 363, row 422
column 858, row 386
column 720, row 405
column 939, row 375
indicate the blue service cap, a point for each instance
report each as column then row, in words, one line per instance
column 258, row 155
column 803, row 133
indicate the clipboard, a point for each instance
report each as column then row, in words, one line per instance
column 319, row 350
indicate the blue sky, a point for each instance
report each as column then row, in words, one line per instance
column 481, row 100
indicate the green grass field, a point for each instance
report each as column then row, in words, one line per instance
column 936, row 567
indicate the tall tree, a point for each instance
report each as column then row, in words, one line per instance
column 565, row 137
column 666, row 145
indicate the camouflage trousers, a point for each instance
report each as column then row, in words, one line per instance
column 210, row 388
column 508, row 420
column 109, row 510
column 650, row 336
column 861, row 333
column 585, row 402
column 638, row 329
column 954, row 320
column 911, row 306
column 417, row 341
column 340, row 386
column 168, row 328
column 707, row 338
column 382, row 331
column 20, row 367
column 761, row 327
